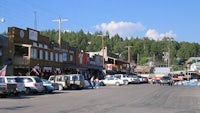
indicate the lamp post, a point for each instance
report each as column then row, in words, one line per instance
column 2, row 20
column 102, row 36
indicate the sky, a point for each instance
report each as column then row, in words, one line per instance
column 156, row 19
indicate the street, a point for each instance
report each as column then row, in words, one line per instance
column 133, row 98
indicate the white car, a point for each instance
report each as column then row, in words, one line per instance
column 33, row 84
column 126, row 78
column 111, row 81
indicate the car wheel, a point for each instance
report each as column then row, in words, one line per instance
column 28, row 91
column 126, row 82
column 60, row 87
column 117, row 84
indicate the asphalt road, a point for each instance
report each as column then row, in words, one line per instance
column 144, row 98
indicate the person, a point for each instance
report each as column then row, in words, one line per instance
column 96, row 82
column 92, row 82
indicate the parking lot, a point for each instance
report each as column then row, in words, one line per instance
column 134, row 98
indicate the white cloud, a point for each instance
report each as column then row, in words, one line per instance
column 124, row 29
column 153, row 34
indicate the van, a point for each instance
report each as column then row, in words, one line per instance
column 62, row 80
column 77, row 81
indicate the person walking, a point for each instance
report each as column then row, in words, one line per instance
column 92, row 82
column 96, row 82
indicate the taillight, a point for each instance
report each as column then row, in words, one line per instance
column 35, row 84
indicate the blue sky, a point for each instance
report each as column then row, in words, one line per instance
column 155, row 19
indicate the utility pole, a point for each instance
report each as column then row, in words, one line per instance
column 102, row 50
column 59, row 20
column 129, row 56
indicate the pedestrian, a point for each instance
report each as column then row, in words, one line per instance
column 92, row 82
column 96, row 82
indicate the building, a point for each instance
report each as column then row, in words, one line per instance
column 3, row 50
column 28, row 49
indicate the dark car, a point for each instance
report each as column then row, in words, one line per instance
column 166, row 80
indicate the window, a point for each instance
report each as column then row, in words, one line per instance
column 35, row 44
column 64, row 56
column 33, row 53
column 46, row 55
column 45, row 46
column 41, row 54
column 51, row 56
column 41, row 45
column 56, row 57
column 71, row 58
column 60, row 58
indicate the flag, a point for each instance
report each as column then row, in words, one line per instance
column 34, row 70
column 3, row 71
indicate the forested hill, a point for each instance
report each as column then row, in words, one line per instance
column 145, row 48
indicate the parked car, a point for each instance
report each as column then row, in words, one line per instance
column 77, row 81
column 20, row 84
column 166, row 80
column 48, row 86
column 7, row 88
column 127, row 79
column 63, row 81
column 111, row 80
column 135, row 79
column 33, row 84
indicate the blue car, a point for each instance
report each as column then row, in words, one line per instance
column 48, row 87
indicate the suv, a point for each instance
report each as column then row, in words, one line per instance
column 62, row 80
column 33, row 84
column 126, row 78
column 19, row 81
column 166, row 80
column 7, row 88
column 77, row 81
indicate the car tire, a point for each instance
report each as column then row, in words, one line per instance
column 28, row 91
column 74, row 87
column 126, row 82
column 117, row 84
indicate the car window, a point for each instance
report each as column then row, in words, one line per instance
column 66, row 78
column 11, row 80
column 111, row 78
column 2, row 80
column 81, row 77
column 28, row 80
column 20, row 80
column 37, row 79
column 74, row 78
column 51, row 78
column 59, row 78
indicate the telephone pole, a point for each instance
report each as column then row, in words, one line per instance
column 129, row 56
column 102, row 38
column 59, row 20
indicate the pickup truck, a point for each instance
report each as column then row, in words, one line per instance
column 7, row 88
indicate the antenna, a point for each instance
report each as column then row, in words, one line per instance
column 35, row 20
